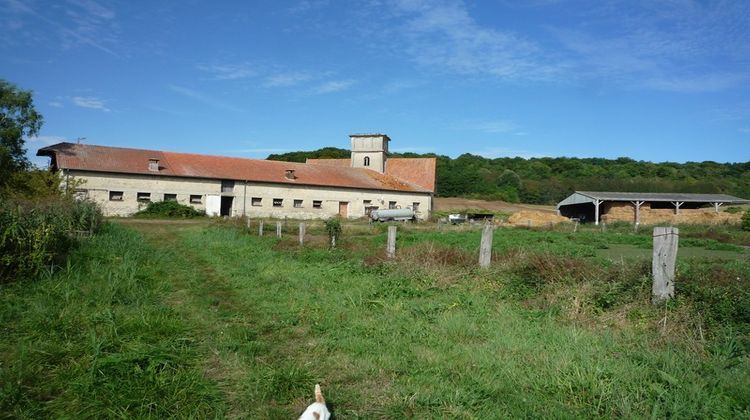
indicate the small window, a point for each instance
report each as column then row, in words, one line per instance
column 256, row 201
column 298, row 203
column 415, row 206
column 170, row 197
column 195, row 198
column 391, row 204
column 227, row 186
column 277, row 202
column 115, row 196
column 367, row 161
column 317, row 204
column 80, row 194
column 144, row 197
column 367, row 202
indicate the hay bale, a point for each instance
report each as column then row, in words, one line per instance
column 535, row 218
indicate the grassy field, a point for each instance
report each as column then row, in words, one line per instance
column 198, row 320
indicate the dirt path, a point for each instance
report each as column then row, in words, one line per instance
column 204, row 298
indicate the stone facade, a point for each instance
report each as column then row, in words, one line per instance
column 118, row 195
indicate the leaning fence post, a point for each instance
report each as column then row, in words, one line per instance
column 663, row 262
column 278, row 229
column 485, row 247
column 260, row 228
column 301, row 233
column 248, row 222
column 391, row 247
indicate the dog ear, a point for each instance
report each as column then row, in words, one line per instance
column 316, row 415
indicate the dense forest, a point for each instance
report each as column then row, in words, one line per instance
column 549, row 180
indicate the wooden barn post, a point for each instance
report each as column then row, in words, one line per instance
column 485, row 247
column 391, row 246
column 663, row 262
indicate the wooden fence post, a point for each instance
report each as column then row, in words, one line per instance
column 391, row 247
column 485, row 247
column 260, row 228
column 301, row 233
column 248, row 223
column 278, row 229
column 662, row 265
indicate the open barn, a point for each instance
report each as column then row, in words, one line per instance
column 647, row 208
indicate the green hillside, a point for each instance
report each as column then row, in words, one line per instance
column 549, row 180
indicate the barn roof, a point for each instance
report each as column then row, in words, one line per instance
column 580, row 197
column 135, row 161
column 419, row 171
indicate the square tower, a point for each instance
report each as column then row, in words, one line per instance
column 369, row 151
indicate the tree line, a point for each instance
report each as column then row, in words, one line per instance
column 548, row 180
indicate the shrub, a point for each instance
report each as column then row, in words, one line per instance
column 33, row 234
column 169, row 209
column 333, row 228
column 746, row 220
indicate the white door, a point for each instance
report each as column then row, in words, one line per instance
column 213, row 204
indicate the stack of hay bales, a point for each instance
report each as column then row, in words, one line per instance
column 535, row 218
column 625, row 212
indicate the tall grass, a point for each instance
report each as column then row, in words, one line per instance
column 33, row 234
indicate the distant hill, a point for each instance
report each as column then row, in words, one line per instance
column 549, row 180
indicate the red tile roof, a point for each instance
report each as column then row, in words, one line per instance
column 135, row 161
column 419, row 171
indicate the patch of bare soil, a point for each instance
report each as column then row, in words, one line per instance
column 458, row 203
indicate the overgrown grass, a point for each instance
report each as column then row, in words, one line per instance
column 169, row 209
column 35, row 234
column 208, row 322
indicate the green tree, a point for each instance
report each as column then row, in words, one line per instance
column 18, row 119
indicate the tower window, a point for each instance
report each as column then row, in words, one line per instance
column 367, row 161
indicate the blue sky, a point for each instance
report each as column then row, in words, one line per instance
column 654, row 80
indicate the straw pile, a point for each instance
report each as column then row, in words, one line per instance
column 625, row 212
column 535, row 218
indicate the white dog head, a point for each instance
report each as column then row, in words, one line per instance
column 318, row 409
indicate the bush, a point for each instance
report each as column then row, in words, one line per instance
column 33, row 234
column 333, row 228
column 169, row 209
column 746, row 220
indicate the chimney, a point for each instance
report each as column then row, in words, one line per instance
column 153, row 165
column 290, row 174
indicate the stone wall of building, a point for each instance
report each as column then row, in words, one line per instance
column 251, row 199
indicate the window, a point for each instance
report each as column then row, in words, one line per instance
column 391, row 204
column 195, row 198
column 115, row 196
column 227, row 185
column 415, row 206
column 367, row 161
column 144, row 197
column 317, row 204
column 170, row 197
column 256, row 201
column 298, row 203
column 367, row 202
column 80, row 194
column 277, row 202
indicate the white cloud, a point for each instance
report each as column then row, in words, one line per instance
column 202, row 97
column 90, row 102
column 745, row 130
column 443, row 35
column 84, row 22
column 229, row 71
column 286, row 79
column 333, row 86
column 55, row 104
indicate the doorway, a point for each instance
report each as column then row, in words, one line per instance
column 343, row 209
column 226, row 206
